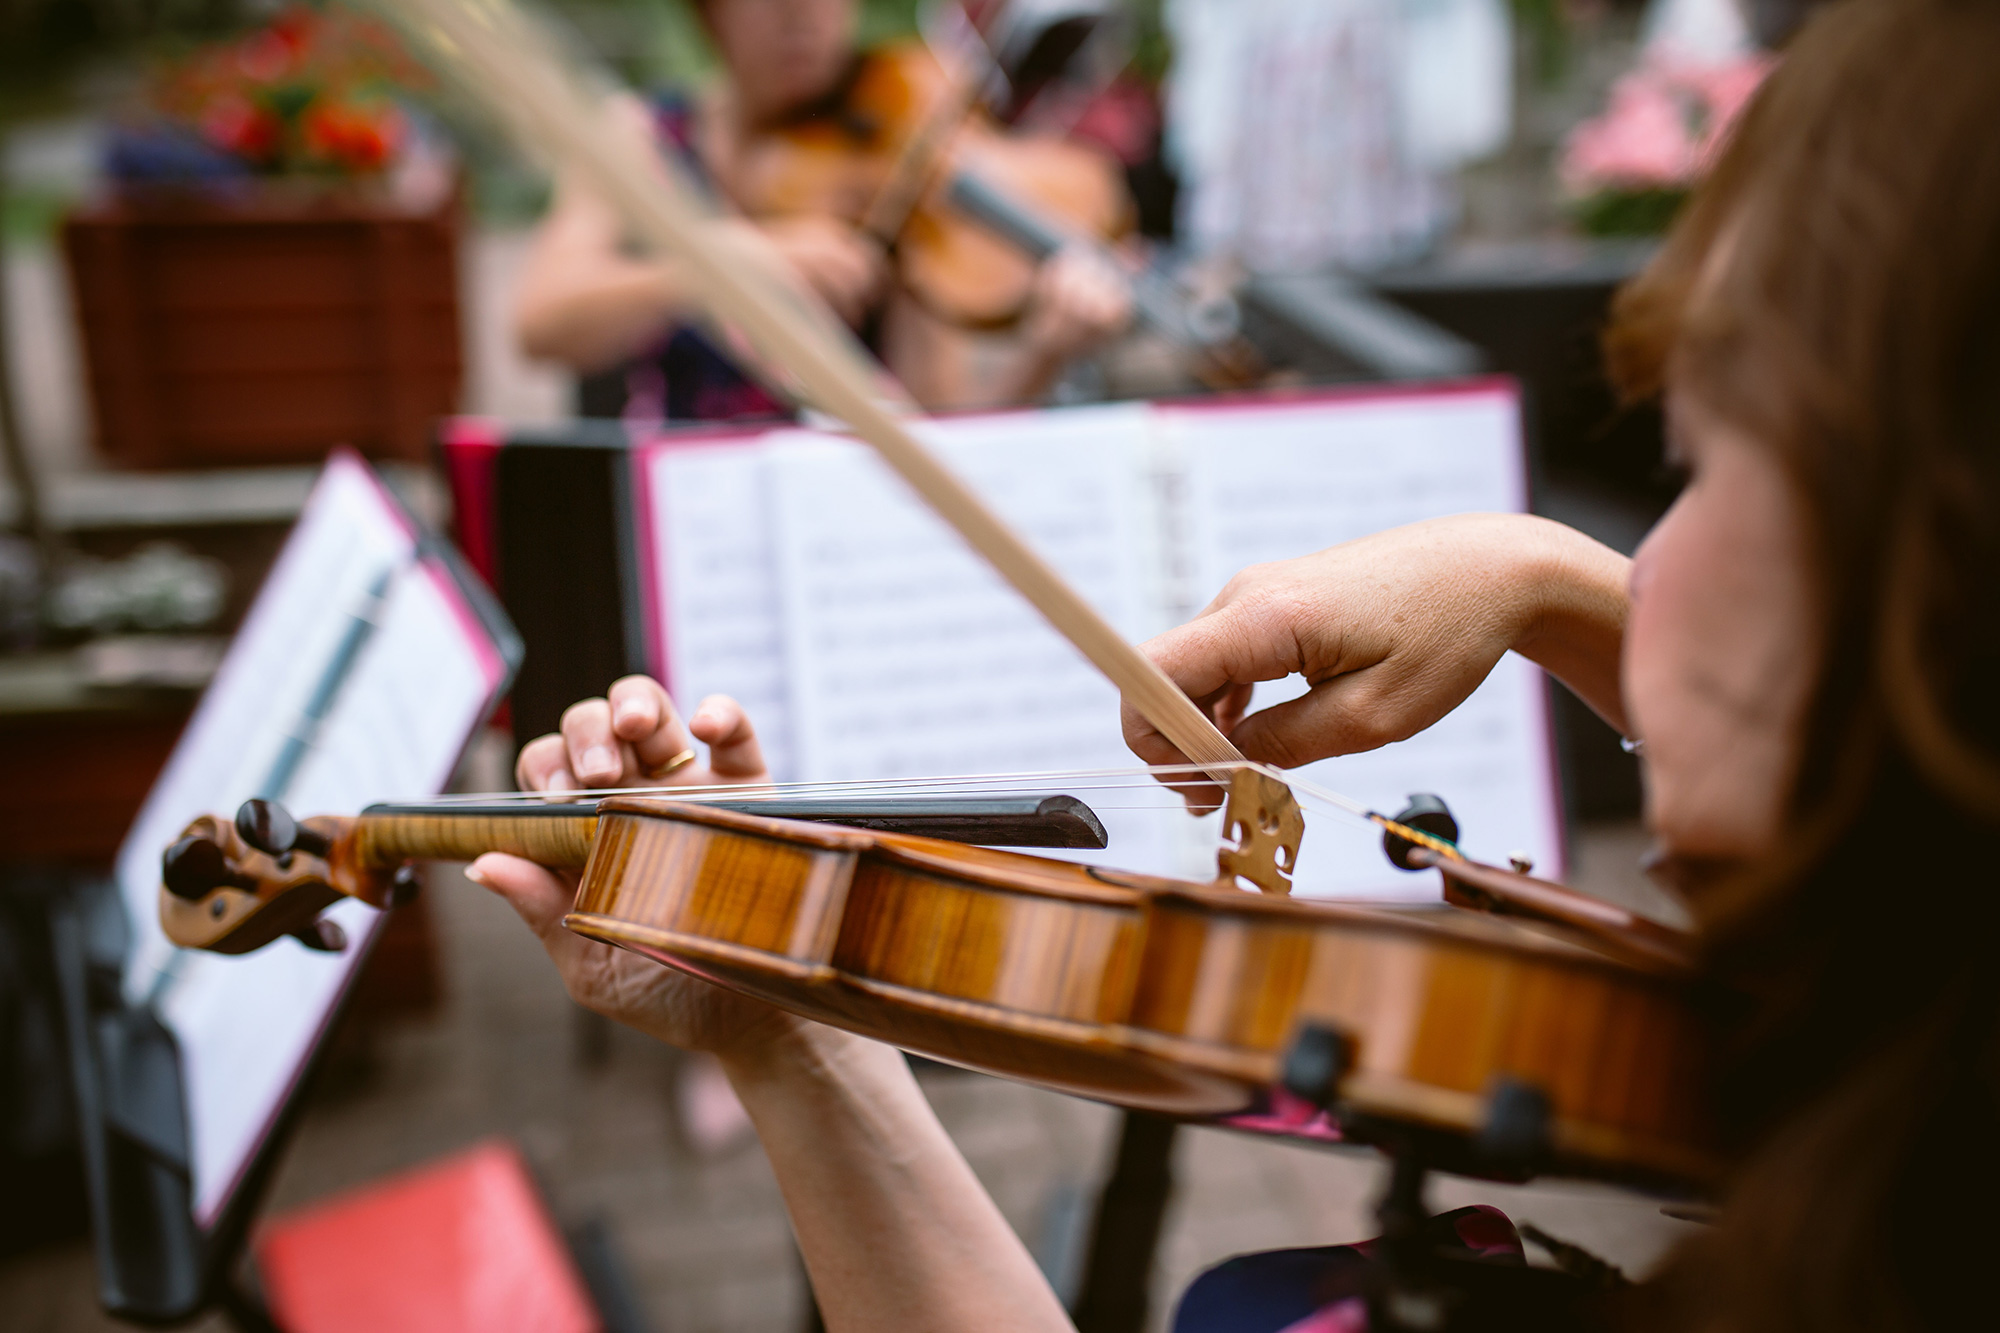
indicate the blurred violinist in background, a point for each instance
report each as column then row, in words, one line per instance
column 836, row 159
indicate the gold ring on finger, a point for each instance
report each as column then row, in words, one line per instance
column 668, row 769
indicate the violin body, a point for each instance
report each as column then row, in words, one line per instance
column 1159, row 994
column 838, row 161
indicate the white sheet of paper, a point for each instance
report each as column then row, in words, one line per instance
column 246, row 1024
column 1269, row 482
column 717, row 619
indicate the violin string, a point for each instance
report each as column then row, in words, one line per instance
column 1159, row 779
column 1136, row 778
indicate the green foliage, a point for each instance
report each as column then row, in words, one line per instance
column 885, row 20
column 1543, row 28
column 656, row 43
column 1647, row 212
column 45, row 44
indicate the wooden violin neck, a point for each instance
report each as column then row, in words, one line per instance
column 549, row 835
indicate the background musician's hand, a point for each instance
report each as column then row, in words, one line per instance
column 845, row 267
column 621, row 740
column 1393, row 631
column 1079, row 300
column 633, row 735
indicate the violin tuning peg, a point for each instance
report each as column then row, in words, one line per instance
column 322, row 936
column 405, row 885
column 195, row 867
column 270, row 828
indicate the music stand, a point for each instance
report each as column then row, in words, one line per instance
column 365, row 621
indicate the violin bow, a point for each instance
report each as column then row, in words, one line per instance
column 514, row 67
column 928, row 145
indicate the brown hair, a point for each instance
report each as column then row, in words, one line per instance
column 1834, row 290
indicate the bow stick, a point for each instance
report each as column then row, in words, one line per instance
column 512, row 66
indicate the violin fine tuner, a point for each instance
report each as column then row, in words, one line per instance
column 1425, row 813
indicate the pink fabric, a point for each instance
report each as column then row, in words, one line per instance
column 1349, row 1316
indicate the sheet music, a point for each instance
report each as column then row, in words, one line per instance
column 908, row 656
column 718, row 619
column 422, row 681
column 1270, row 482
column 799, row 574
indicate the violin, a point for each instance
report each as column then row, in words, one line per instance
column 1315, row 1019
column 846, row 160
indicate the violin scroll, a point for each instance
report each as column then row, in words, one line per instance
column 234, row 886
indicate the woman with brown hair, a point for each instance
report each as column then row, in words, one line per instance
column 1805, row 647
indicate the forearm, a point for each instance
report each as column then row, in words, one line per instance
column 1578, row 629
column 896, row 1230
column 597, row 318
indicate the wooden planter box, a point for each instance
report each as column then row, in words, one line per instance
column 221, row 333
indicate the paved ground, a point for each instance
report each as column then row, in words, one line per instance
column 706, row 1238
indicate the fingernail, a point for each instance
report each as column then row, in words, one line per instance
column 598, row 759
column 560, row 780
column 627, row 712
column 476, row 875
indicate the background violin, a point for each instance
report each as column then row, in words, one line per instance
column 967, row 211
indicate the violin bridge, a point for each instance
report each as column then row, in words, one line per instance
column 1261, row 829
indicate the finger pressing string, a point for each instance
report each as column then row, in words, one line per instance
column 646, row 721
column 733, row 750
column 544, row 766
column 596, row 755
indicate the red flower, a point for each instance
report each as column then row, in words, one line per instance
column 307, row 91
column 355, row 137
column 235, row 124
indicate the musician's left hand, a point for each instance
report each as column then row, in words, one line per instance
column 633, row 734
column 617, row 741
column 1080, row 299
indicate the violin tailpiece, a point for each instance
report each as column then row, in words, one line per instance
column 1261, row 830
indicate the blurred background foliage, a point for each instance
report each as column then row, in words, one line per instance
column 69, row 60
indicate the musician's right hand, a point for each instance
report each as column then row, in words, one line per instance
column 1392, row 632
column 620, row 740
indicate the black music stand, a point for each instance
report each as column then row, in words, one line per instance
column 157, row 1262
